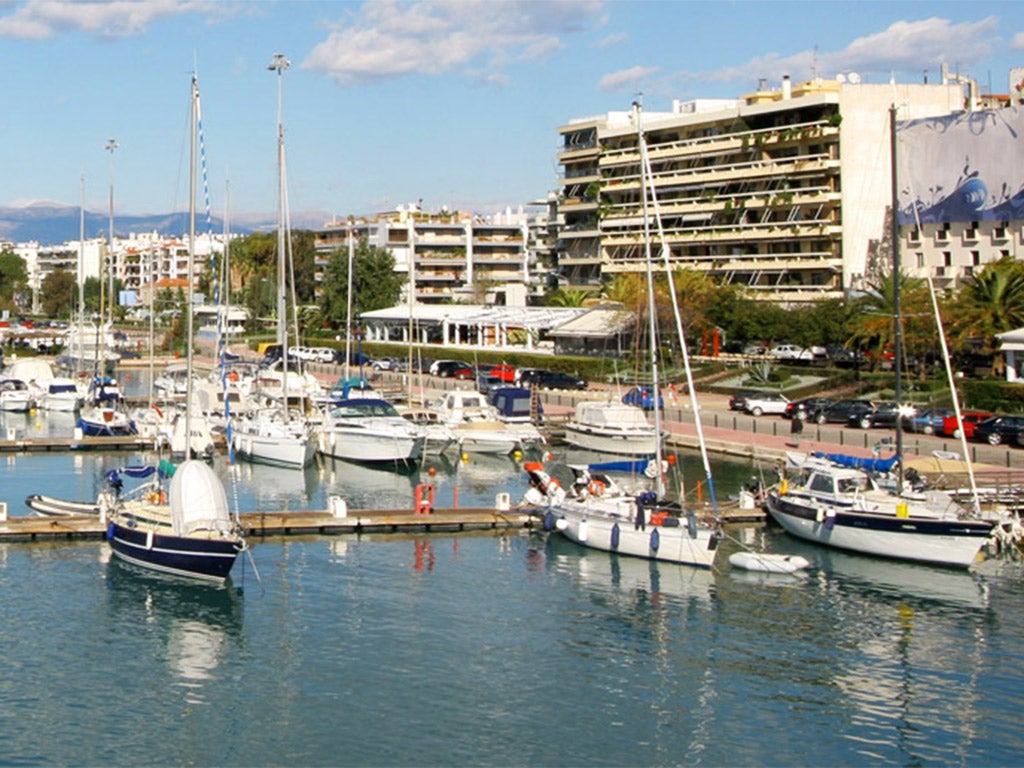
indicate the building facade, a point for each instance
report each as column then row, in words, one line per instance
column 448, row 256
column 785, row 191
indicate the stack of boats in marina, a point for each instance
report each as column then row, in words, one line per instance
column 31, row 383
column 477, row 426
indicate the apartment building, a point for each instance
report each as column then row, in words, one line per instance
column 786, row 191
column 449, row 256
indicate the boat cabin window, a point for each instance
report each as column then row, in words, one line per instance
column 853, row 484
column 821, row 483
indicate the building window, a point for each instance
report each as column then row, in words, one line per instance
column 920, row 260
column 976, row 258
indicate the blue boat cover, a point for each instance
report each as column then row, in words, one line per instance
column 860, row 462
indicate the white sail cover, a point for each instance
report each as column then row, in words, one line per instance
column 198, row 500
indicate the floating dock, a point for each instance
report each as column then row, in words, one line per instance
column 50, row 444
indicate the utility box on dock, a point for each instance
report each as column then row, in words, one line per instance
column 337, row 506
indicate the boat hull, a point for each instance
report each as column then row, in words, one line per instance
column 949, row 542
column 369, row 447
column 209, row 559
column 618, row 443
column 611, row 531
column 277, row 450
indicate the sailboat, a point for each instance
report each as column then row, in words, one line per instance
column 843, row 508
column 592, row 510
column 274, row 434
column 187, row 529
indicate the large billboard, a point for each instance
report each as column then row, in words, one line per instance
column 963, row 167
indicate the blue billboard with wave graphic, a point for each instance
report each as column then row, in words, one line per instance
column 963, row 167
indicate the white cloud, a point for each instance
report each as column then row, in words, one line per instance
column 1018, row 41
column 613, row 40
column 626, row 78
column 906, row 46
column 40, row 19
column 388, row 38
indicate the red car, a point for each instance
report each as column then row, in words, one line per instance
column 970, row 418
column 506, row 373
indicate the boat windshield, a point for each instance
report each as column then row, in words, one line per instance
column 363, row 409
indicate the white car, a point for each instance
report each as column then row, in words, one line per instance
column 769, row 402
column 320, row 354
column 789, row 352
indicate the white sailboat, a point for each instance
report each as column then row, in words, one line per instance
column 274, row 434
column 595, row 512
column 186, row 528
column 843, row 508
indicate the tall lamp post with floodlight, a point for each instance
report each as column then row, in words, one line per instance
column 110, row 147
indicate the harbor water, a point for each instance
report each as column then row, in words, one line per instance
column 490, row 649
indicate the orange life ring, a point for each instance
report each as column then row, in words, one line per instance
column 659, row 517
column 596, row 488
column 233, row 376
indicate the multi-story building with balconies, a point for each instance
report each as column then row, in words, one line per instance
column 787, row 192
column 451, row 257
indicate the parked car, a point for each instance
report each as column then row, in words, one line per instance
column 755, row 350
column 841, row 411
column 968, row 421
column 320, row 354
column 506, row 373
column 841, row 357
column 546, row 379
column 766, row 402
column 643, row 397
column 999, row 429
column 883, row 414
column 452, row 369
column 807, row 407
column 927, row 422
column 788, row 352
column 738, row 402
column 390, row 364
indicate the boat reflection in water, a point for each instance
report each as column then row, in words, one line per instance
column 196, row 625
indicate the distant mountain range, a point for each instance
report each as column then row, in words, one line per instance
column 56, row 223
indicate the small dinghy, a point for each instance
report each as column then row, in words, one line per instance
column 767, row 562
column 48, row 506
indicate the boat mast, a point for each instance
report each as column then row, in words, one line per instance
column 80, row 355
column 652, row 321
column 897, row 309
column 191, row 260
column 279, row 64
column 348, row 308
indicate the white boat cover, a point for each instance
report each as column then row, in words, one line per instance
column 198, row 500
column 604, row 414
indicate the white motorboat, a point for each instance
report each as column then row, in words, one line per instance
column 369, row 430
column 610, row 427
column 269, row 437
column 475, row 423
column 438, row 437
column 15, row 395
column 61, row 394
column 843, row 507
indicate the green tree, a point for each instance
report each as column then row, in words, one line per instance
column 873, row 329
column 59, row 294
column 568, row 297
column 990, row 302
column 375, row 284
column 13, row 276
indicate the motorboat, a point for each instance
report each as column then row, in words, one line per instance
column 186, row 530
column 172, row 382
column 369, row 430
column 15, row 395
column 269, row 437
column 843, row 507
column 61, row 394
column 610, row 427
column 475, row 423
column 437, row 436
column 521, row 409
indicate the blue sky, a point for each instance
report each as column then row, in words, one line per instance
column 452, row 102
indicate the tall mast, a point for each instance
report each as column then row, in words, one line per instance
column 280, row 64
column 191, row 260
column 897, row 308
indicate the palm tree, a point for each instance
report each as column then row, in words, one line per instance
column 990, row 302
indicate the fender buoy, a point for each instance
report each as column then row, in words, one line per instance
column 549, row 521
column 110, row 531
column 615, row 536
column 596, row 488
column 655, row 540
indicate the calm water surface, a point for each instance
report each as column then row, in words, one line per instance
column 491, row 649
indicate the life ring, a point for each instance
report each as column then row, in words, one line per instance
column 233, row 376
column 596, row 488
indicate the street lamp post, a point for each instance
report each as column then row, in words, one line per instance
column 110, row 147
